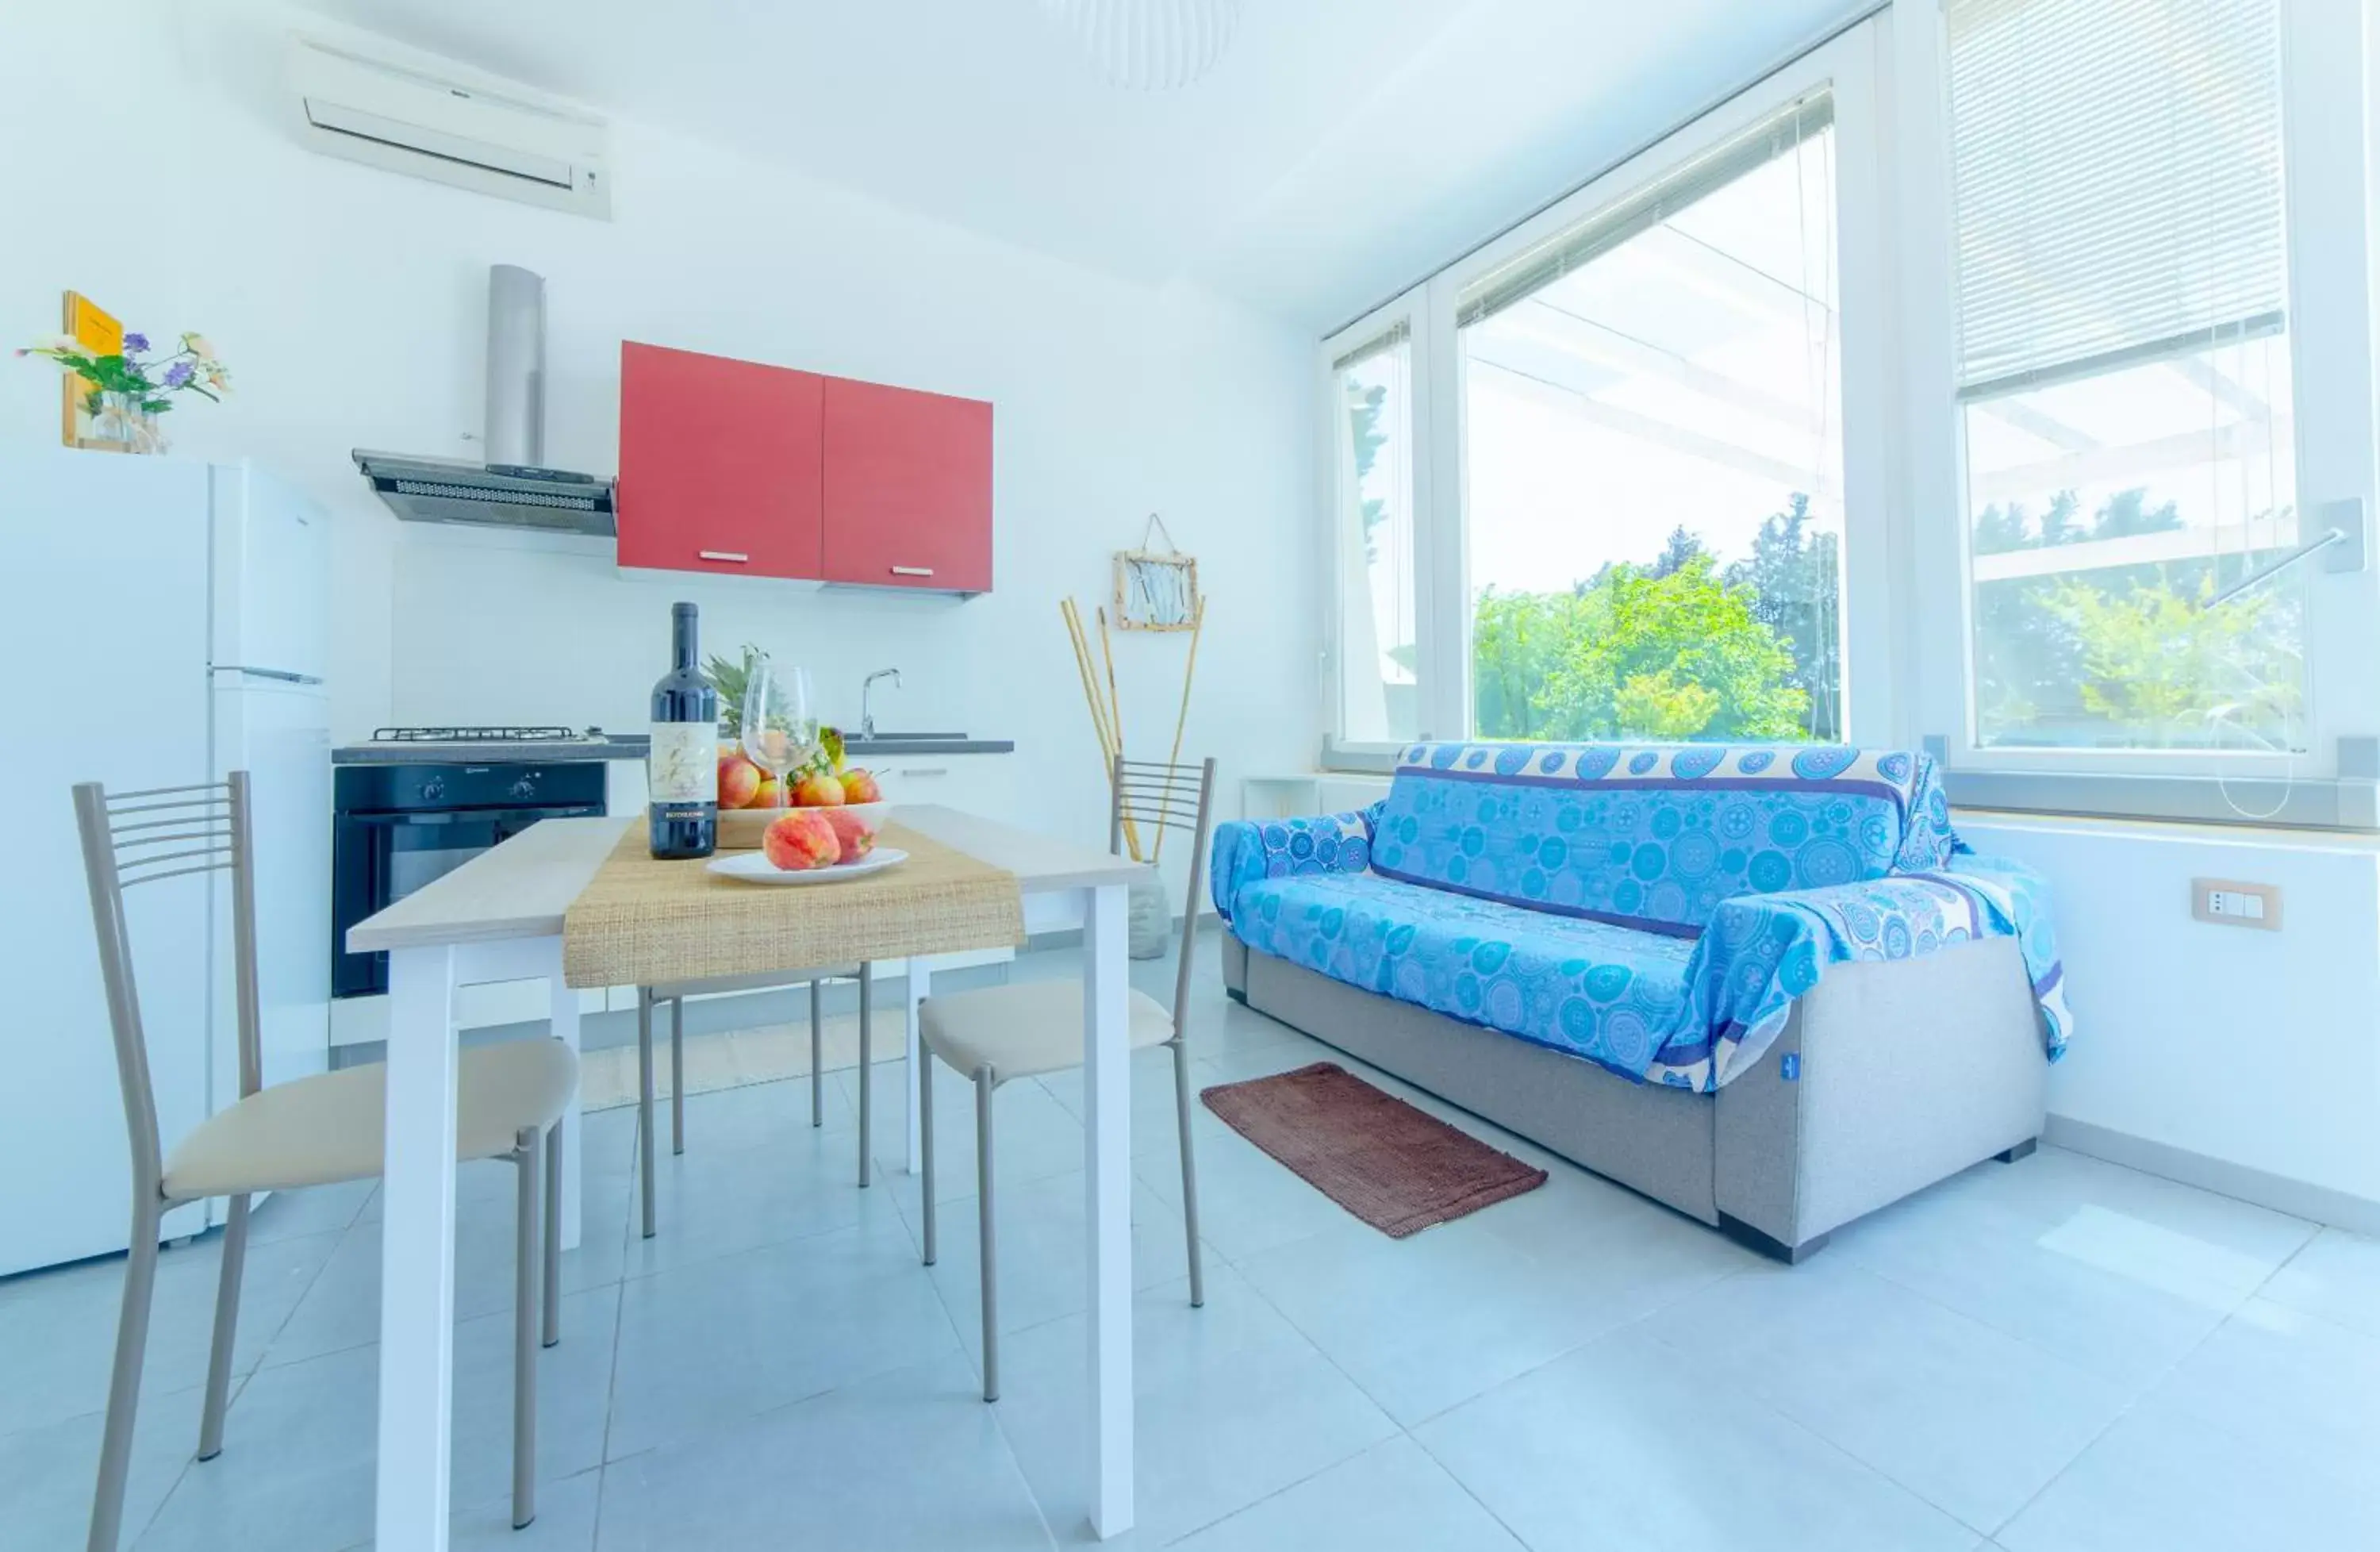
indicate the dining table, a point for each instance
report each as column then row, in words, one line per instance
column 500, row 918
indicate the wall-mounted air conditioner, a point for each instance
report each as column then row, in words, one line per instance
column 489, row 137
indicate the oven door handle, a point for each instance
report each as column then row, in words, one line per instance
column 479, row 815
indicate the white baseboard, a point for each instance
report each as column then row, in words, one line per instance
column 2318, row 1204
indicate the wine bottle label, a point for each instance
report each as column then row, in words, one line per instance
column 684, row 764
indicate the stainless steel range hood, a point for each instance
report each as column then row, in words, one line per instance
column 511, row 490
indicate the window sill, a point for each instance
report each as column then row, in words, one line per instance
column 2350, row 805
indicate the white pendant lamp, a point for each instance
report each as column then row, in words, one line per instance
column 1148, row 45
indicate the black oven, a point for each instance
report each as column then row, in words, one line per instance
column 397, row 827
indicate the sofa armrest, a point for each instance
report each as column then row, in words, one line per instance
column 1248, row 850
column 1762, row 952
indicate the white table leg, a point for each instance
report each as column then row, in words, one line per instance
column 566, row 1029
column 920, row 978
column 1107, row 1147
column 417, row 1280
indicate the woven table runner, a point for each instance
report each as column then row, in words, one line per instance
column 640, row 922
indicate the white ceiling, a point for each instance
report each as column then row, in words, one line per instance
column 1342, row 148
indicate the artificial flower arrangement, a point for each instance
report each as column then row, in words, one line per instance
column 131, row 386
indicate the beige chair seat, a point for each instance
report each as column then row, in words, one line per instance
column 318, row 1130
column 1025, row 1027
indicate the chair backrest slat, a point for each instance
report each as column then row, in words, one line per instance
column 116, row 859
column 1149, row 792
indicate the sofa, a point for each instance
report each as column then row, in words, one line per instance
column 1766, row 986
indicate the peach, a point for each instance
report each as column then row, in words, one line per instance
column 770, row 793
column 818, row 790
column 739, row 781
column 796, row 842
column 852, row 829
column 858, row 786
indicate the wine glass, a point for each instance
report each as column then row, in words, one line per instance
column 781, row 729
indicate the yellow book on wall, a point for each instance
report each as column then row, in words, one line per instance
column 97, row 330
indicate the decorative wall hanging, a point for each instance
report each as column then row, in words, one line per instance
column 1155, row 590
column 116, row 388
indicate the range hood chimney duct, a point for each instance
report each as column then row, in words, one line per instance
column 516, row 410
column 512, row 489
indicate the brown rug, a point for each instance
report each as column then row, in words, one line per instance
column 1398, row 1168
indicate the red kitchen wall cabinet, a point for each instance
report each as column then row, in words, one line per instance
column 721, row 465
column 907, row 488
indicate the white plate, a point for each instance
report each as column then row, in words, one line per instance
column 754, row 867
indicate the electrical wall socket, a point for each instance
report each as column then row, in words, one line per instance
column 2228, row 902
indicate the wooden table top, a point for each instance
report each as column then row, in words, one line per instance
column 523, row 887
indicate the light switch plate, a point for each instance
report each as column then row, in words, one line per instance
column 2228, row 902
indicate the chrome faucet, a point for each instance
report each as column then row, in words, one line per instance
column 867, row 718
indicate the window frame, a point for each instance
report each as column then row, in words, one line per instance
column 2324, row 56
column 1848, row 67
column 1405, row 311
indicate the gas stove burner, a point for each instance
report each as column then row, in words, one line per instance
column 483, row 735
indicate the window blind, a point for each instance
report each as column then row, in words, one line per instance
column 2117, row 174
column 1378, row 345
column 1538, row 267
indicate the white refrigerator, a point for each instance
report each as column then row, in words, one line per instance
column 165, row 621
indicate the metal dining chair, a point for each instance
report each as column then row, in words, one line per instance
column 996, row 1035
column 674, row 994
column 312, row 1130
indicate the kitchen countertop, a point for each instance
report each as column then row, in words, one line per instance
column 623, row 746
column 612, row 747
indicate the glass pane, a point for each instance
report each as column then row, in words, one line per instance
column 1379, row 699
column 2106, row 512
column 1654, row 455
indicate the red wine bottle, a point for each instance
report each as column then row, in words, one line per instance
column 682, row 771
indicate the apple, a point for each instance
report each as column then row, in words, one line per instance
column 770, row 794
column 818, row 790
column 739, row 781
column 852, row 830
column 796, row 842
column 858, row 786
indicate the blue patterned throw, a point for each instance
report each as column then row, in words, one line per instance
column 1655, row 910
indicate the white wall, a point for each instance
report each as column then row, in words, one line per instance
column 350, row 305
column 2256, row 1048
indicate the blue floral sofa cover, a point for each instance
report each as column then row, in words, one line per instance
column 1654, row 910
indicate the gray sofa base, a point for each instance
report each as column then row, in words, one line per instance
column 1889, row 1077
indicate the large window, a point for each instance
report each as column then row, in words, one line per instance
column 1652, row 452
column 1371, row 428
column 2124, row 375
column 1997, row 376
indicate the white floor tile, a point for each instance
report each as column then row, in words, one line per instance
column 2337, row 1275
column 2111, row 1269
column 2273, row 1372
column 60, row 1325
column 705, row 1347
column 1970, row 1420
column 1232, row 1405
column 1629, row 1444
column 2163, row 1479
column 906, row 1461
column 1392, row 1498
column 297, row 1468
column 1426, row 1322
column 48, row 1474
column 1043, row 1252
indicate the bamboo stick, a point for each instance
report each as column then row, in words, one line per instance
column 1083, row 666
column 1115, row 718
column 1182, row 719
column 1102, row 716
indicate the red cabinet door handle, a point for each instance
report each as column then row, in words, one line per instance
column 913, row 571
column 735, row 557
